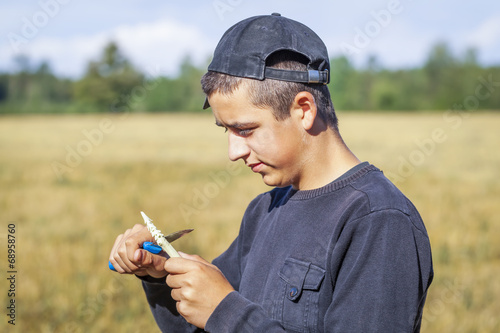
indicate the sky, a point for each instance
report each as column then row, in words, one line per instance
column 157, row 35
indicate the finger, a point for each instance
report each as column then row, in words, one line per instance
column 184, row 264
column 115, row 245
column 139, row 233
column 122, row 250
column 176, row 294
column 178, row 281
column 137, row 227
column 193, row 257
column 112, row 256
column 184, row 272
column 179, row 265
column 171, row 281
column 131, row 241
column 146, row 259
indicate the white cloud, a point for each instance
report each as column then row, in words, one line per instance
column 487, row 35
column 68, row 57
column 163, row 44
column 397, row 44
column 160, row 34
column 160, row 45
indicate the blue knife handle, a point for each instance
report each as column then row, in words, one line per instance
column 153, row 248
column 149, row 246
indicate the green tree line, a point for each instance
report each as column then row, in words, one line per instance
column 113, row 84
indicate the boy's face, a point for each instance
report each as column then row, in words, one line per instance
column 268, row 146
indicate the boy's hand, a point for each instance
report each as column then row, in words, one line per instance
column 197, row 286
column 127, row 257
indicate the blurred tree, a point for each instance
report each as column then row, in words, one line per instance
column 111, row 82
column 46, row 87
column 343, row 84
column 19, row 83
column 439, row 57
column 470, row 58
column 108, row 80
column 189, row 86
column 22, row 63
column 373, row 64
column 4, row 82
column 368, row 79
column 33, row 88
column 182, row 93
column 443, row 86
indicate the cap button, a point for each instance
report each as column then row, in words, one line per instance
column 276, row 14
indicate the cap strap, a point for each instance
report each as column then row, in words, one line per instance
column 310, row 76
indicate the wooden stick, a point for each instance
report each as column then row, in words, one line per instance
column 159, row 238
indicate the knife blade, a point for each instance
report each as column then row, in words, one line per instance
column 153, row 248
column 176, row 235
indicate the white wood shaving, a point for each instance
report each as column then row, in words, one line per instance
column 159, row 238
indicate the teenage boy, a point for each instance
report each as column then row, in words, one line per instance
column 334, row 247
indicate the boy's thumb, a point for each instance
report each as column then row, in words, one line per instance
column 144, row 258
column 194, row 257
column 139, row 255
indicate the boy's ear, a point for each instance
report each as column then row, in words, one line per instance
column 305, row 108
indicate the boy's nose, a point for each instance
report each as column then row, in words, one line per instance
column 238, row 147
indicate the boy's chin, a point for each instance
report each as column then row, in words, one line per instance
column 269, row 180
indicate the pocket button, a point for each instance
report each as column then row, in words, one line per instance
column 293, row 293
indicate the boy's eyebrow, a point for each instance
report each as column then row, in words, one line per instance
column 236, row 124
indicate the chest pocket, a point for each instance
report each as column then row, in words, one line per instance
column 299, row 308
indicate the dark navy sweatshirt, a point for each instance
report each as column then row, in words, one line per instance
column 352, row 256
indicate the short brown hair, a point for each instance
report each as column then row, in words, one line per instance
column 275, row 94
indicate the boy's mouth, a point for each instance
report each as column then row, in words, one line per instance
column 256, row 167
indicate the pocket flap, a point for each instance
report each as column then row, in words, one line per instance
column 314, row 277
column 294, row 271
column 300, row 275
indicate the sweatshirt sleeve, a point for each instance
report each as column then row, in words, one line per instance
column 382, row 268
column 237, row 314
column 164, row 309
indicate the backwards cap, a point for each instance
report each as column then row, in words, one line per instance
column 244, row 48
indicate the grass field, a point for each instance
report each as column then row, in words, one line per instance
column 71, row 184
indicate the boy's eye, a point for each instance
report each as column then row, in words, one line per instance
column 244, row 132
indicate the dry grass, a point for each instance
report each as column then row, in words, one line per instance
column 161, row 163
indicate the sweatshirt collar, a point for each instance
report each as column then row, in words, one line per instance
column 345, row 179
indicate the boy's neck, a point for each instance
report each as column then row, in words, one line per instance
column 327, row 158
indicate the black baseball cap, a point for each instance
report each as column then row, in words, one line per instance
column 244, row 48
